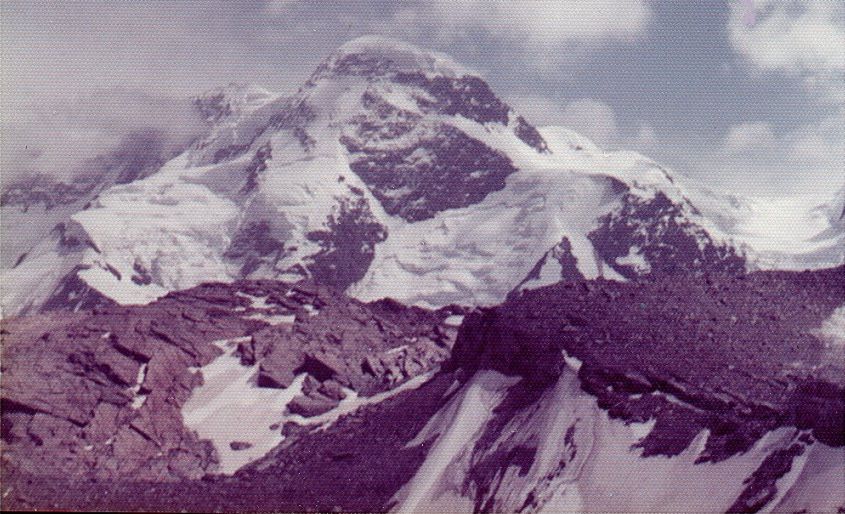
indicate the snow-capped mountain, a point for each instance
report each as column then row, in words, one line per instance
column 395, row 172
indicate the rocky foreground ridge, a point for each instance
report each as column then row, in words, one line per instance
column 99, row 395
column 736, row 379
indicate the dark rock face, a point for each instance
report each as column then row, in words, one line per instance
column 762, row 484
column 715, row 352
column 436, row 168
column 356, row 465
column 97, row 394
column 213, row 106
column 353, row 65
column 240, row 445
column 738, row 356
column 461, row 95
column 529, row 135
column 311, row 405
column 348, row 243
column 257, row 165
column 297, row 115
column 293, row 115
column 664, row 237
column 41, row 189
column 466, row 96
column 253, row 245
column 562, row 254
column 414, row 165
column 72, row 294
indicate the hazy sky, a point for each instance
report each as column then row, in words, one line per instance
column 747, row 95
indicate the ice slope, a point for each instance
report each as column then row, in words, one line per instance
column 564, row 454
column 477, row 255
column 396, row 172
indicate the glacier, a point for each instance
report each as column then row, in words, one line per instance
column 358, row 181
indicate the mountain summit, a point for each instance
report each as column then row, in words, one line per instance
column 391, row 166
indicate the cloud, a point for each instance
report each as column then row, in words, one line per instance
column 803, row 39
column 755, row 159
column 592, row 118
column 750, row 158
column 545, row 30
column 59, row 138
column 278, row 7
column 589, row 117
column 748, row 138
column 549, row 23
column 645, row 140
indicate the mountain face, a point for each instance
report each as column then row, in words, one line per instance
column 717, row 393
column 390, row 166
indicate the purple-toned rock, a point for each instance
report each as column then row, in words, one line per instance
column 240, row 445
column 310, row 406
column 656, row 237
column 98, row 394
column 332, row 390
column 741, row 352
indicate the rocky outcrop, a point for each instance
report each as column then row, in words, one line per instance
column 556, row 265
column 737, row 355
column 97, row 394
column 343, row 344
column 347, row 243
column 537, row 387
column 658, row 236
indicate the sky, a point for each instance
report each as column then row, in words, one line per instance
column 744, row 95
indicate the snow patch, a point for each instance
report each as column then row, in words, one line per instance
column 635, row 260
column 138, row 399
column 230, row 408
column 833, row 329
column 574, row 363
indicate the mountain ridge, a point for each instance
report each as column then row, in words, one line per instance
column 394, row 164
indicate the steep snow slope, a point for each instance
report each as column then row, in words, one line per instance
column 396, row 172
column 565, row 454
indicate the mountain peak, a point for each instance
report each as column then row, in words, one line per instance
column 378, row 55
column 221, row 102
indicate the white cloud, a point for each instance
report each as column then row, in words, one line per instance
column 748, row 138
column 58, row 138
column 645, row 139
column 804, row 39
column 545, row 29
column 277, row 7
column 592, row 118
column 589, row 117
column 754, row 159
